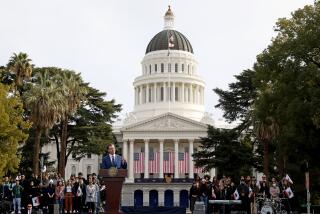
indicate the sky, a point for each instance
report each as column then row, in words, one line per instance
column 105, row 40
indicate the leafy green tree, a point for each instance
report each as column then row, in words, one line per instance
column 89, row 129
column 45, row 101
column 283, row 109
column 227, row 151
column 13, row 130
column 237, row 102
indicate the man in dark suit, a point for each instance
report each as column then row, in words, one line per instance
column 113, row 160
column 30, row 210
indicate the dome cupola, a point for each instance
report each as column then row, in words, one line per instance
column 161, row 40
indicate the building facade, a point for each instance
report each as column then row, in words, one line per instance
column 159, row 137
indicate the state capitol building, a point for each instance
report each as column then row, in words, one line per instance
column 159, row 137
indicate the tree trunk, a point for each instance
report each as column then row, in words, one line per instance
column 58, row 150
column 63, row 148
column 36, row 151
column 266, row 158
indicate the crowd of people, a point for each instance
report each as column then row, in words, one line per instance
column 253, row 194
column 74, row 195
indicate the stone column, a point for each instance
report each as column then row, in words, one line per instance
column 197, row 95
column 176, row 197
column 191, row 94
column 155, row 92
column 164, row 92
column 146, row 158
column 125, row 149
column 147, row 93
column 182, row 94
column 146, row 197
column 176, row 158
column 161, row 197
column 161, row 158
column 191, row 158
column 135, row 96
column 140, row 95
column 131, row 163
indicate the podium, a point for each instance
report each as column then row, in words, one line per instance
column 113, row 179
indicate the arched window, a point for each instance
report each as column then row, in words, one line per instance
column 168, row 198
column 138, row 198
column 149, row 69
column 184, row 198
column 153, row 198
column 162, row 67
column 182, row 68
column 176, row 68
column 155, row 68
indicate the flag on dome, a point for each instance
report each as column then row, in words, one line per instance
column 171, row 42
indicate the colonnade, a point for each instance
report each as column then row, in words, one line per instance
column 128, row 154
column 169, row 91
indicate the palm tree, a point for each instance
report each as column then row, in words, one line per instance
column 45, row 101
column 266, row 129
column 75, row 91
column 21, row 66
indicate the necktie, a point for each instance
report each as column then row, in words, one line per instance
column 112, row 159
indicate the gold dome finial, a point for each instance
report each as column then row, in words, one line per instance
column 169, row 11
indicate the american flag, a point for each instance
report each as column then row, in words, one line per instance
column 171, row 42
column 197, row 170
column 183, row 162
column 139, row 162
column 154, row 162
column 168, row 162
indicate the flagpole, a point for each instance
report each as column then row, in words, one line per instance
column 169, row 70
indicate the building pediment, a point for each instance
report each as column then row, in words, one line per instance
column 167, row 122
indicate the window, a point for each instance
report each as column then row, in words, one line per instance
column 182, row 68
column 150, row 94
column 144, row 95
column 161, row 94
column 188, row 69
column 73, row 170
column 155, row 68
column 89, row 156
column 149, row 69
column 162, row 67
column 176, row 68
column 169, row 67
